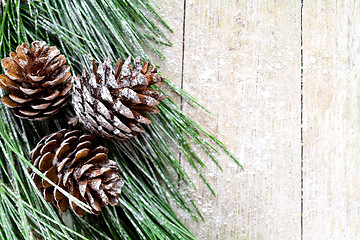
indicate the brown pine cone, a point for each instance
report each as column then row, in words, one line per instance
column 75, row 162
column 37, row 80
column 112, row 104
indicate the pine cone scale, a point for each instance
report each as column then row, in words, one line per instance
column 82, row 186
column 54, row 95
column 23, row 59
column 18, row 99
column 121, row 109
column 24, row 113
column 63, row 204
column 48, row 194
column 49, row 146
column 35, row 78
column 45, row 161
column 61, row 151
column 12, row 68
column 8, row 102
column 19, row 62
column 41, row 106
column 8, row 84
column 29, row 91
column 51, row 175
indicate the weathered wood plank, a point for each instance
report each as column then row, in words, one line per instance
column 331, row 119
column 173, row 14
column 242, row 61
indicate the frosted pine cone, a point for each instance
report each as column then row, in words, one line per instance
column 75, row 162
column 113, row 104
column 37, row 80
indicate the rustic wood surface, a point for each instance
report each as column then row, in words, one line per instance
column 331, row 127
column 281, row 78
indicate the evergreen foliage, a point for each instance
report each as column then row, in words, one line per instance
column 149, row 163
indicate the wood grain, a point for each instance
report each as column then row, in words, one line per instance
column 242, row 61
column 171, row 67
column 331, row 119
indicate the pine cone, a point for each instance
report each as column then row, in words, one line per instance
column 76, row 163
column 112, row 104
column 37, row 80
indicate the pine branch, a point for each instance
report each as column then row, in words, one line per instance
column 149, row 165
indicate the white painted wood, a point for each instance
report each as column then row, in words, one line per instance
column 331, row 119
column 242, row 61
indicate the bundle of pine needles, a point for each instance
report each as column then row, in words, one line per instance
column 149, row 163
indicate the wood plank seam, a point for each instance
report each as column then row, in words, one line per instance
column 301, row 121
column 183, row 53
column 182, row 66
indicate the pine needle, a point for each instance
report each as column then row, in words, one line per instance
column 148, row 163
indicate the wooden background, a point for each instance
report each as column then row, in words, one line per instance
column 282, row 79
